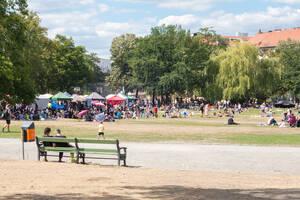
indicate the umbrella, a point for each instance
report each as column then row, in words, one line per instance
column 60, row 97
column 95, row 96
column 284, row 104
column 78, row 98
column 97, row 103
column 94, row 102
column 55, row 106
column 82, row 112
column 100, row 117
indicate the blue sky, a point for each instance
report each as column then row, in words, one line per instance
column 94, row 23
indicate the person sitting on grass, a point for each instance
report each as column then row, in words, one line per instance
column 272, row 122
column 231, row 121
column 292, row 120
column 220, row 114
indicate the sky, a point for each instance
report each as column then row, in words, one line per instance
column 94, row 23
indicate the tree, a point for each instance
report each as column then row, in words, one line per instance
column 121, row 72
column 72, row 66
column 38, row 53
column 15, row 78
column 202, row 73
column 157, row 61
column 244, row 74
column 289, row 55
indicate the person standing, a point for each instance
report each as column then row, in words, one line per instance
column 7, row 117
column 201, row 109
column 101, row 130
column 239, row 108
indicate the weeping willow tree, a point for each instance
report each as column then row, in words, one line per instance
column 244, row 73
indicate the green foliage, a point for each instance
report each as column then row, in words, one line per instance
column 14, row 77
column 166, row 62
column 121, row 73
column 31, row 63
column 244, row 74
column 289, row 54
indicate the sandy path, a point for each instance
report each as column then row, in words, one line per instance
column 188, row 156
column 62, row 181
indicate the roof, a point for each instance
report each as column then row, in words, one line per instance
column 236, row 38
column 60, row 97
column 115, row 98
column 272, row 38
column 95, row 96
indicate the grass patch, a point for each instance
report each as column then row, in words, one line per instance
column 177, row 122
column 203, row 130
column 265, row 139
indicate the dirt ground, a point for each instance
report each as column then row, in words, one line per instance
column 62, row 181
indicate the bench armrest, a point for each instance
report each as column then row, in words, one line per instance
column 124, row 149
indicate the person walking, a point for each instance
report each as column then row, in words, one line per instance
column 7, row 117
column 101, row 130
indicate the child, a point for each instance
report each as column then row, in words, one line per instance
column 101, row 130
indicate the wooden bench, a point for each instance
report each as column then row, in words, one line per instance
column 112, row 151
column 43, row 150
column 116, row 153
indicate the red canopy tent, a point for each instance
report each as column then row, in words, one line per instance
column 115, row 100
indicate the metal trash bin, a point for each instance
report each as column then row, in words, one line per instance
column 28, row 132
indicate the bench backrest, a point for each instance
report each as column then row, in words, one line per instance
column 55, row 139
column 91, row 141
column 77, row 141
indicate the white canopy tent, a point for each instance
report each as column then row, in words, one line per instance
column 42, row 101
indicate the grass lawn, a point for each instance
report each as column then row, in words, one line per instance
column 195, row 129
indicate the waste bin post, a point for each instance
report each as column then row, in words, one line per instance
column 27, row 135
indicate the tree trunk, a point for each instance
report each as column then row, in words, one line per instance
column 137, row 94
column 153, row 97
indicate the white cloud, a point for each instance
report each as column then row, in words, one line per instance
column 195, row 5
column 287, row 1
column 55, row 5
column 229, row 23
column 86, row 28
column 187, row 5
column 103, row 7
column 86, row 2
column 113, row 29
column 185, row 20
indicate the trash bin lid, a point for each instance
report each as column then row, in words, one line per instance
column 28, row 125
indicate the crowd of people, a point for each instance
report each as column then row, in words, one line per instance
column 136, row 109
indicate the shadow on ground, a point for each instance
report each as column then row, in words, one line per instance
column 171, row 192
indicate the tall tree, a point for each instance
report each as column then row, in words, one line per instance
column 289, row 54
column 14, row 77
column 121, row 73
column 244, row 74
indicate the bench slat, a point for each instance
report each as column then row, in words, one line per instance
column 89, row 150
column 56, row 139
column 62, row 149
column 91, row 141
